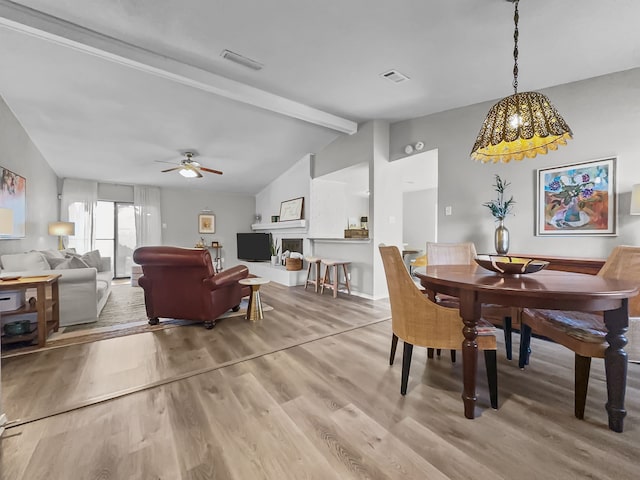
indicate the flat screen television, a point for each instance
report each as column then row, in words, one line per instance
column 254, row 247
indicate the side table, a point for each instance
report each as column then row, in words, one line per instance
column 254, row 309
column 47, row 307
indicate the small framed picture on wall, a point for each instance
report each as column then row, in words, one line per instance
column 206, row 223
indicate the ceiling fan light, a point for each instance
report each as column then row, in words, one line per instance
column 188, row 172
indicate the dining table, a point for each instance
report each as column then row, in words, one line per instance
column 548, row 289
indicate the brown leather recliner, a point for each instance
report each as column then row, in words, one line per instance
column 181, row 283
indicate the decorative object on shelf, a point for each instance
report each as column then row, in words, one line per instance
column 500, row 209
column 291, row 209
column 257, row 217
column 206, row 223
column 13, row 197
column 408, row 149
column 62, row 229
column 275, row 252
column 275, row 218
column 520, row 125
column 510, row 265
column 356, row 233
column 577, row 199
column 21, row 327
column 364, row 223
column 635, row 200
column 215, row 244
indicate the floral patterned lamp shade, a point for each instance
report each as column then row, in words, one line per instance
column 635, row 200
column 520, row 125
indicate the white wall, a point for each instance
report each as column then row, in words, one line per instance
column 293, row 183
column 604, row 114
column 21, row 156
column 180, row 209
column 419, row 222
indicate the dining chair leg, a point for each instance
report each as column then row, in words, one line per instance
column 525, row 344
column 507, row 326
column 491, row 363
column 407, row 350
column 453, row 356
column 394, row 344
column 583, row 366
column 429, row 352
column 438, row 351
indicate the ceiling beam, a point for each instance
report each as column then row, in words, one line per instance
column 35, row 23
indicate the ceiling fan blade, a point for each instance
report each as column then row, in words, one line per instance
column 171, row 169
column 210, row 170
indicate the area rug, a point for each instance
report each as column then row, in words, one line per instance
column 125, row 314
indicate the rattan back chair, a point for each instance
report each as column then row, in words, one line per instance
column 416, row 320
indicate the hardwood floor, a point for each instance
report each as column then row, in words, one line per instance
column 307, row 394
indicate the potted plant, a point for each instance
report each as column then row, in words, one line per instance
column 500, row 208
column 275, row 251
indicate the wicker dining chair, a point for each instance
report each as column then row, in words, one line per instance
column 582, row 332
column 464, row 253
column 416, row 320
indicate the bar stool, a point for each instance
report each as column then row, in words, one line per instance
column 317, row 281
column 332, row 269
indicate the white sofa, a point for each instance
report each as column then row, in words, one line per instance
column 83, row 291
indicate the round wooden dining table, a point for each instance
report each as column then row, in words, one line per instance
column 549, row 289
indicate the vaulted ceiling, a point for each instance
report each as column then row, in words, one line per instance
column 107, row 90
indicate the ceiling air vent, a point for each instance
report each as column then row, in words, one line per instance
column 394, row 76
column 241, row 60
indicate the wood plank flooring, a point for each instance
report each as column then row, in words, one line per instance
column 326, row 408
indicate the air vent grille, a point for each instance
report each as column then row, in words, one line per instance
column 241, row 60
column 394, row 76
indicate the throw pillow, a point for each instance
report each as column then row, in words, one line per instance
column 68, row 250
column 93, row 259
column 20, row 262
column 71, row 262
column 51, row 254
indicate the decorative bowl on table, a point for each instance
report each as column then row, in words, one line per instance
column 507, row 265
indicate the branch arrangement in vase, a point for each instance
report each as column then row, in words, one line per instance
column 499, row 207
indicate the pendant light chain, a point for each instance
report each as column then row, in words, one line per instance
column 516, row 17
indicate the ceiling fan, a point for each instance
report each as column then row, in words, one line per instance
column 190, row 168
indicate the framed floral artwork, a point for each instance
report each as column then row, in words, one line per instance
column 206, row 223
column 13, row 197
column 578, row 199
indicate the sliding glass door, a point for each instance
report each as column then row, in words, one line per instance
column 116, row 235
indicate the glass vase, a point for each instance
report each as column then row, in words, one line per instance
column 501, row 238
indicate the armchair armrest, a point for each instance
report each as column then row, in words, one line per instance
column 227, row 277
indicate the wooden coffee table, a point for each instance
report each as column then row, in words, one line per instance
column 254, row 309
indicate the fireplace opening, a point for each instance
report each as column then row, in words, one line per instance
column 292, row 244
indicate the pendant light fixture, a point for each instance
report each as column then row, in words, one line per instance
column 520, row 125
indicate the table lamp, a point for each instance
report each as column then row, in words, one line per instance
column 62, row 229
column 6, row 221
column 635, row 200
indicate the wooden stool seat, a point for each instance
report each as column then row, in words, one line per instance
column 318, row 279
column 332, row 269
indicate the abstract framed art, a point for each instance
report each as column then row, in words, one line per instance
column 577, row 199
column 13, row 196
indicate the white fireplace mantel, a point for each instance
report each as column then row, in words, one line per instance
column 290, row 225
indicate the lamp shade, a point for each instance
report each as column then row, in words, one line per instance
column 62, row 228
column 6, row 221
column 521, row 125
column 635, row 200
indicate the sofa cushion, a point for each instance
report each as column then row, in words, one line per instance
column 32, row 261
column 51, row 254
column 92, row 259
column 69, row 263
